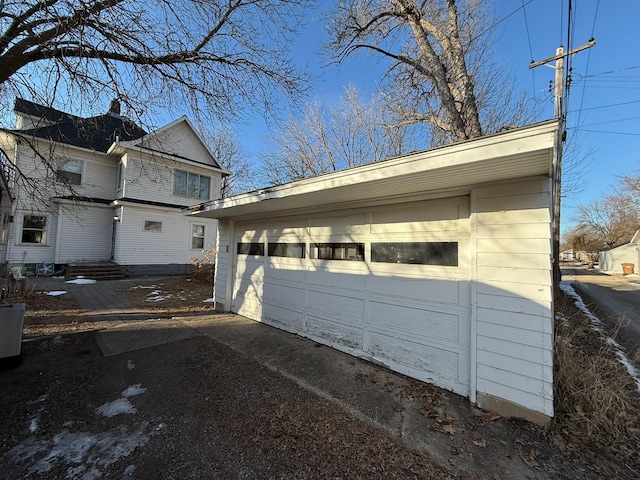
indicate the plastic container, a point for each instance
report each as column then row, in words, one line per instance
column 627, row 268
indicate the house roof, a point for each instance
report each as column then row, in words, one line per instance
column 94, row 133
column 449, row 170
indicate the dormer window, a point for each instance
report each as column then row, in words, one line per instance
column 69, row 171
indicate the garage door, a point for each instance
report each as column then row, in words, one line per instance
column 388, row 283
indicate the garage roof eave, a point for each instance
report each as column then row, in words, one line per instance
column 519, row 153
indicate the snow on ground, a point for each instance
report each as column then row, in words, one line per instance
column 81, row 281
column 85, row 454
column 209, row 300
column 596, row 325
column 56, row 293
column 121, row 405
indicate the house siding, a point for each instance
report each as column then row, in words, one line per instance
column 85, row 234
column 135, row 246
column 151, row 179
column 514, row 295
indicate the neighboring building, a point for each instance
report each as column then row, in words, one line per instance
column 102, row 189
column 611, row 261
column 567, row 255
column 437, row 264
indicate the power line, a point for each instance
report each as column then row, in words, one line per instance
column 604, row 131
column 606, row 106
column 526, row 23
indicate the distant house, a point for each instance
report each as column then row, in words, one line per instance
column 103, row 189
column 611, row 260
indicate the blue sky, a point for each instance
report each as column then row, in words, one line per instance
column 604, row 101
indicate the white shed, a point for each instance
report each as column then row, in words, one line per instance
column 436, row 264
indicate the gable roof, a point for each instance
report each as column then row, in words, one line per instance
column 170, row 140
column 93, row 133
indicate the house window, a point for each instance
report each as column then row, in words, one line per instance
column 69, row 171
column 197, row 237
column 291, row 250
column 191, row 184
column 151, row 226
column 339, row 251
column 417, row 253
column 34, row 229
column 251, row 248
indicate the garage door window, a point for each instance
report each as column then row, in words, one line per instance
column 291, row 250
column 339, row 251
column 417, row 253
column 251, row 248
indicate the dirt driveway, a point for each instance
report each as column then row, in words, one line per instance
column 211, row 397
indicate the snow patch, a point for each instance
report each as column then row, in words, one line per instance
column 56, row 293
column 85, row 454
column 133, row 390
column 130, row 365
column 81, row 281
column 121, row 405
column 596, row 325
column 209, row 300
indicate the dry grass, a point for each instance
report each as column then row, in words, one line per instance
column 597, row 401
column 171, row 296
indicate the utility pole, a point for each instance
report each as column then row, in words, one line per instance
column 560, row 115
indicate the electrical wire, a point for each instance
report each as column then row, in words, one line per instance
column 526, row 24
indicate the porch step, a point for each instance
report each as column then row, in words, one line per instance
column 95, row 271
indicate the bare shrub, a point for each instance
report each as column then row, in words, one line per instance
column 201, row 269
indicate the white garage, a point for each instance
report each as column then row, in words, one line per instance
column 436, row 264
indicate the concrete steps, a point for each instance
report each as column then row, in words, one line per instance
column 95, row 271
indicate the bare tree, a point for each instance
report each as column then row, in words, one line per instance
column 216, row 57
column 439, row 73
column 612, row 220
column 231, row 155
column 350, row 133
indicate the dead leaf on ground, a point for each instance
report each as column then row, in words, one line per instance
column 530, row 459
column 491, row 416
column 450, row 429
column 480, row 443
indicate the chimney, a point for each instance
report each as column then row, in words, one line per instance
column 114, row 107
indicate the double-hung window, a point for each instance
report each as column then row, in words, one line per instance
column 69, row 171
column 34, row 229
column 191, row 184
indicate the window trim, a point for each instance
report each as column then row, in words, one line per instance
column 147, row 223
column 45, row 230
column 193, row 236
column 63, row 160
column 198, row 184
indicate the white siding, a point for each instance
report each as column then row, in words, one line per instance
column 31, row 253
column 513, row 294
column 85, row 234
column 611, row 261
column 136, row 246
column 180, row 140
column 151, row 179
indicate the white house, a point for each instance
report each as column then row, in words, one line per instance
column 436, row 264
column 611, row 261
column 102, row 189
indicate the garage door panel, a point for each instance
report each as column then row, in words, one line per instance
column 415, row 321
column 339, row 225
column 279, row 315
column 335, row 332
column 330, row 304
column 414, row 355
column 284, row 295
column 427, row 290
column 339, row 279
column 293, row 272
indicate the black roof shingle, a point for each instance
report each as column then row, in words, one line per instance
column 94, row 133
